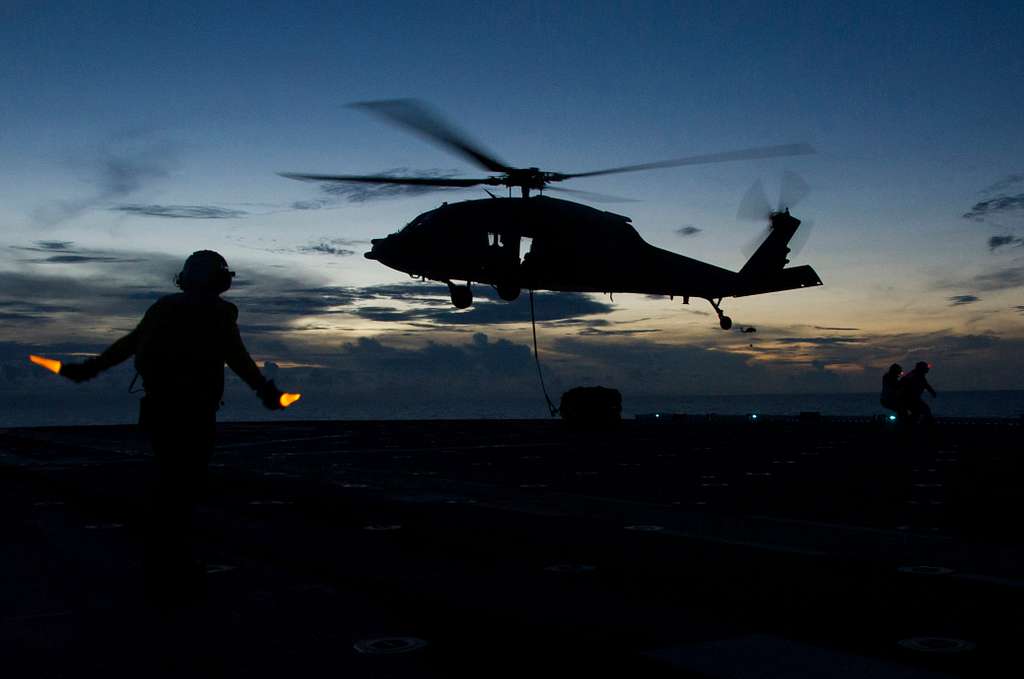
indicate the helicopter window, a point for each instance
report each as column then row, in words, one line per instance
column 525, row 247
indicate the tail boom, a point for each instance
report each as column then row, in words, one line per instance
column 793, row 278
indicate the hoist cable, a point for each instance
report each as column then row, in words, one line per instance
column 537, row 357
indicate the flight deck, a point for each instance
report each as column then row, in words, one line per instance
column 695, row 546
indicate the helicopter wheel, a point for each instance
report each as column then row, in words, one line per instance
column 462, row 296
column 723, row 320
column 509, row 293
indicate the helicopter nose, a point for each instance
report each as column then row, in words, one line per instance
column 374, row 248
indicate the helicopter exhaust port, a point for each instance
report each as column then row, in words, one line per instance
column 462, row 295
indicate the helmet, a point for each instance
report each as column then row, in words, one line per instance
column 205, row 271
column 921, row 365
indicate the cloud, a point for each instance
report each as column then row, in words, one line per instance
column 996, row 242
column 325, row 248
column 120, row 167
column 315, row 204
column 959, row 300
column 412, row 292
column 69, row 255
column 820, row 340
column 1005, row 183
column 487, row 308
column 1004, row 209
column 34, row 308
column 688, row 230
column 81, row 259
column 999, row 279
column 593, row 331
column 180, row 211
column 281, row 297
column 44, row 245
column 985, row 209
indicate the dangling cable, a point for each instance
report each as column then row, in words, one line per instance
column 536, row 357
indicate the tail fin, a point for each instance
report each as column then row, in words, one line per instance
column 765, row 270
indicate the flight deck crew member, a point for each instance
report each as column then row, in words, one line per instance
column 891, row 397
column 180, row 348
column 912, row 386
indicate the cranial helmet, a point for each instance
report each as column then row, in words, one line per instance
column 921, row 365
column 205, row 271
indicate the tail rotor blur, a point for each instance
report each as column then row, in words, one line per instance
column 755, row 206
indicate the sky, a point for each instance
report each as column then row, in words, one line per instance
column 133, row 134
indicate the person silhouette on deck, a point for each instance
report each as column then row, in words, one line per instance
column 180, row 348
column 891, row 397
column 911, row 387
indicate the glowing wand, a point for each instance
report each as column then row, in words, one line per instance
column 48, row 363
column 288, row 399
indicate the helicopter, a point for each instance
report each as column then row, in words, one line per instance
column 573, row 247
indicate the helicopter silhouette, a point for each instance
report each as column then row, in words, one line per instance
column 574, row 247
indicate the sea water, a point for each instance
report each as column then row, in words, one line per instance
column 118, row 407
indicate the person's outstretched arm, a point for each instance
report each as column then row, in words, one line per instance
column 929, row 388
column 116, row 353
column 239, row 360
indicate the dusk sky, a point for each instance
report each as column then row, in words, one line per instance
column 133, row 135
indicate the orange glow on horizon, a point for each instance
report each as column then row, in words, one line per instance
column 48, row 363
column 288, row 399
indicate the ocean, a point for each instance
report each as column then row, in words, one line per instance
column 61, row 407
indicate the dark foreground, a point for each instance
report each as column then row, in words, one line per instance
column 704, row 548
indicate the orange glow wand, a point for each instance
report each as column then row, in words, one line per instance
column 48, row 363
column 288, row 399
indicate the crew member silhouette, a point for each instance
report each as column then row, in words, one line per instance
column 180, row 348
column 891, row 397
column 911, row 387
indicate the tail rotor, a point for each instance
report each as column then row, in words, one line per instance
column 755, row 206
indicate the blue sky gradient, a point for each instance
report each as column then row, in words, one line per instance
column 133, row 135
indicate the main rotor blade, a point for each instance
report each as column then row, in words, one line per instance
column 414, row 115
column 728, row 156
column 383, row 179
column 594, row 197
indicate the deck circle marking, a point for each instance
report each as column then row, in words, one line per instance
column 389, row 645
column 383, row 526
column 645, row 528
column 925, row 570
column 937, row 645
column 218, row 568
column 571, row 568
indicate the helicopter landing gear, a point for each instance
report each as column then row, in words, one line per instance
column 462, row 295
column 508, row 292
column 723, row 320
